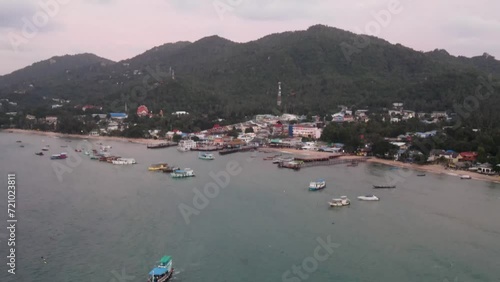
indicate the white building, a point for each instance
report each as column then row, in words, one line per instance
column 306, row 131
column 187, row 144
column 180, row 113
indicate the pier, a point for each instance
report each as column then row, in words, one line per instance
column 236, row 150
column 296, row 165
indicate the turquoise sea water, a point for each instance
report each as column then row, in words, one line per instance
column 99, row 222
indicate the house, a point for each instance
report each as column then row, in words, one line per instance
column 142, row 111
column 94, row 132
column 395, row 120
column 468, row 156
column 438, row 115
column 30, row 117
column 486, row 169
column 51, row 120
column 56, row 106
column 118, row 116
column 180, row 113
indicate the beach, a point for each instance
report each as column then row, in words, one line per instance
column 102, row 138
column 432, row 168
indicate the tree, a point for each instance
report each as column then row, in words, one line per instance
column 383, row 149
column 482, row 157
column 249, row 130
column 176, row 138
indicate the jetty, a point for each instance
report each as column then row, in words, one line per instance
column 207, row 148
column 236, row 150
column 298, row 164
column 161, row 145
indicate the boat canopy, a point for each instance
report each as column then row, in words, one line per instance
column 158, row 271
column 165, row 260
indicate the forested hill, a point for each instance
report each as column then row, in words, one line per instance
column 320, row 68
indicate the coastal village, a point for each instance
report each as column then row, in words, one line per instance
column 296, row 133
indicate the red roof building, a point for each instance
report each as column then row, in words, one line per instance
column 468, row 156
column 142, row 111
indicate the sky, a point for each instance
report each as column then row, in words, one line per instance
column 36, row 30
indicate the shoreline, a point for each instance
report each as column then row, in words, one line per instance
column 435, row 169
column 141, row 141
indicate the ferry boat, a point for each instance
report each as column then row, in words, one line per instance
column 205, row 156
column 163, row 272
column 124, row 161
column 368, row 198
column 343, row 201
column 182, row 173
column 317, row 185
column 158, row 167
column 60, row 156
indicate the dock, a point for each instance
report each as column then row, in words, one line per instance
column 206, row 148
column 236, row 150
column 297, row 164
column 161, row 145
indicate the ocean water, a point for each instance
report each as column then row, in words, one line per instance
column 93, row 221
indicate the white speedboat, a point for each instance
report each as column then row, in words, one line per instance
column 317, row 185
column 343, row 201
column 182, row 173
column 465, row 177
column 124, row 161
column 205, row 156
column 368, row 198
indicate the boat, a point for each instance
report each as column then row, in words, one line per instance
column 39, row 154
column 368, row 198
column 87, row 153
column 18, row 141
column 78, row 150
column 22, row 146
column 384, row 186
column 163, row 272
column 64, row 146
column 183, row 149
column 317, row 185
column 421, row 174
column 123, row 161
column 94, row 157
column 465, row 176
column 46, row 148
column 205, row 156
column 342, row 202
column 158, row 167
column 60, row 156
column 182, row 173
column 170, row 169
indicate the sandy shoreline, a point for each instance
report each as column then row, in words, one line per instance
column 436, row 169
column 76, row 136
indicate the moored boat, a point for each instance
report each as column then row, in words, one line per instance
column 384, row 186
column 465, row 176
column 124, row 161
column 39, row 154
column 368, row 198
column 170, row 169
column 46, row 148
column 163, row 272
column 343, row 201
column 205, row 156
column 421, row 174
column 317, row 185
column 60, row 156
column 158, row 167
column 182, row 173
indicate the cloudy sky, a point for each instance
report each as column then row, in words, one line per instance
column 119, row 29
